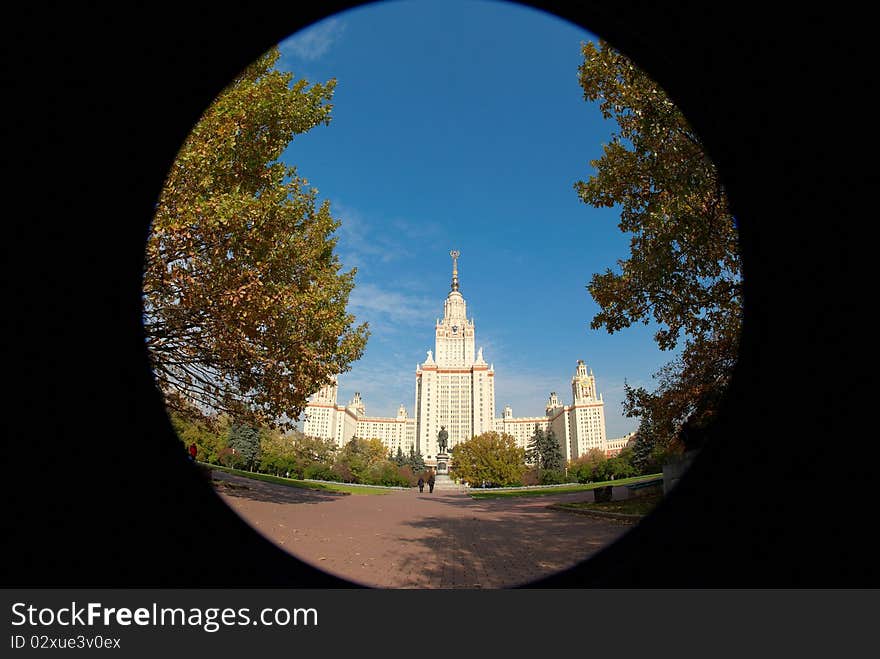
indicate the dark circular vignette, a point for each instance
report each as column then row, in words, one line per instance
column 115, row 507
column 548, row 578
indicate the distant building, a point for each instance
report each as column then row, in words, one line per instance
column 325, row 419
column 455, row 388
column 615, row 446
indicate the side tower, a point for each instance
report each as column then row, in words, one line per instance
column 321, row 411
column 587, row 413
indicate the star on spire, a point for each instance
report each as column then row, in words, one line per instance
column 455, row 254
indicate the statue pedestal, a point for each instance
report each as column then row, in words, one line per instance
column 442, row 464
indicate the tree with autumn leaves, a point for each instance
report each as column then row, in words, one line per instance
column 684, row 270
column 244, row 297
column 493, row 458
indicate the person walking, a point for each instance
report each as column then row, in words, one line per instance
column 431, row 482
column 193, row 451
column 421, row 484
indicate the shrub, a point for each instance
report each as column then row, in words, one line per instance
column 552, row 477
column 342, row 473
column 230, row 458
column 589, row 467
column 407, row 474
column 385, row 473
column 320, row 472
column 532, row 477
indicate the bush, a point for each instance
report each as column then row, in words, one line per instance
column 385, row 473
column 407, row 474
column 532, row 477
column 320, row 472
column 589, row 467
column 658, row 457
column 552, row 477
column 621, row 468
column 342, row 473
column 230, row 458
column 278, row 465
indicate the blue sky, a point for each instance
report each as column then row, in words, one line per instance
column 461, row 125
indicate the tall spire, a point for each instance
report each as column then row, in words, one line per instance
column 455, row 254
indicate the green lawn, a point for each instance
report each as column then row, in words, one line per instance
column 563, row 489
column 638, row 506
column 290, row 482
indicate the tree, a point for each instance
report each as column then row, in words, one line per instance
column 209, row 434
column 585, row 468
column 544, row 451
column 415, row 461
column 491, row 457
column 244, row 301
column 684, row 269
column 308, row 450
column 359, row 455
column 385, row 472
column 533, row 453
column 244, row 440
column 277, row 452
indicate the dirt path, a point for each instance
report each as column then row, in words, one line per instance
column 411, row 540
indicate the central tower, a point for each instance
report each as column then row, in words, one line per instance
column 454, row 387
column 454, row 334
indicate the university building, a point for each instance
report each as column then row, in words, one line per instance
column 455, row 388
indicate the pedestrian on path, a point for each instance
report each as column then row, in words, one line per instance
column 431, row 483
column 421, row 484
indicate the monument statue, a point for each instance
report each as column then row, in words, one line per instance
column 442, row 438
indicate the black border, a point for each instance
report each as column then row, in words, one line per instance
column 98, row 100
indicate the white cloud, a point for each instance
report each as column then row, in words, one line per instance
column 315, row 41
column 372, row 303
column 360, row 243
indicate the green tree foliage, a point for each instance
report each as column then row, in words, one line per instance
column 244, row 440
column 684, row 269
column 585, row 467
column 386, row 473
column 277, row 454
column 209, row 434
column 399, row 457
column 415, row 461
column 244, row 300
column 594, row 466
column 309, row 452
column 620, row 466
column 319, row 471
column 228, row 457
column 650, row 454
column 544, row 451
column 553, row 477
column 491, row 457
column 358, row 456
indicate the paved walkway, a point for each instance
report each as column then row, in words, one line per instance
column 411, row 540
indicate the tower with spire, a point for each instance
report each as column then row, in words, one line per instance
column 455, row 388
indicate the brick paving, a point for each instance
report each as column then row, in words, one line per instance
column 411, row 540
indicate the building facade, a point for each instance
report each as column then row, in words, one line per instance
column 326, row 419
column 455, row 389
column 615, row 446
